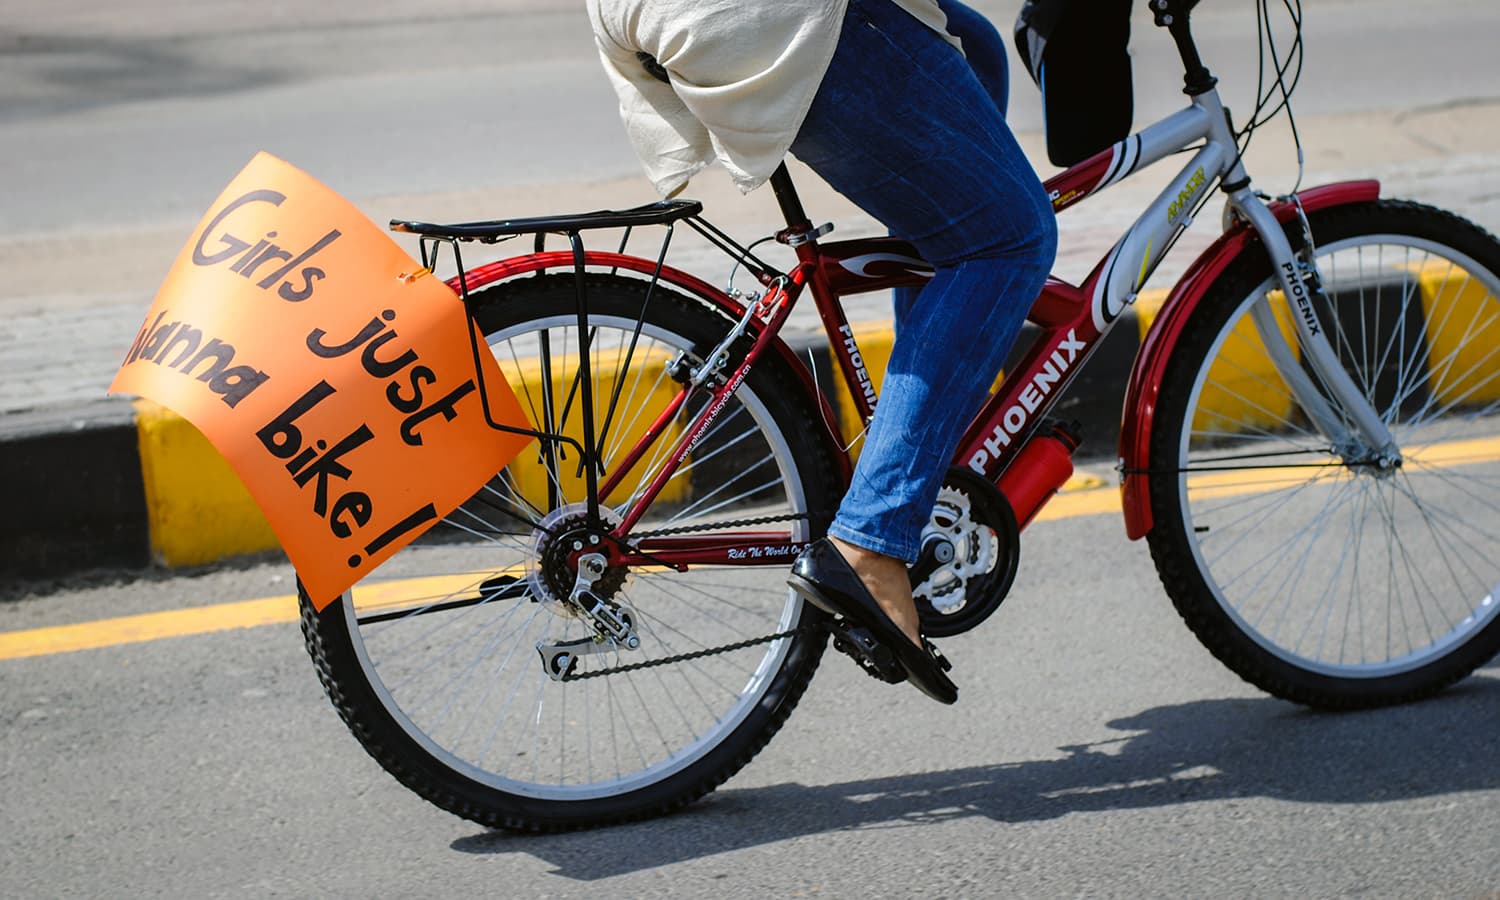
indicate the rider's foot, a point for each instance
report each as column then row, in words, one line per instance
column 886, row 579
column 878, row 641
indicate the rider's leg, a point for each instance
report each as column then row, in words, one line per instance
column 984, row 49
column 902, row 126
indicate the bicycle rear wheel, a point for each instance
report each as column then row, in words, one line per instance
column 435, row 661
column 1320, row 578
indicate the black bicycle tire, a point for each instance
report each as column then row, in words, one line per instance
column 332, row 649
column 1175, row 562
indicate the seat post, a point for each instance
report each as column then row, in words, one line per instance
column 787, row 199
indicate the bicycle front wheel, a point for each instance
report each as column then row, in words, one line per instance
column 1320, row 577
column 465, row 665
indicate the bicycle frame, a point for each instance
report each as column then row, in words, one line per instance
column 1073, row 320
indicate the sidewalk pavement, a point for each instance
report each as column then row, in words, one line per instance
column 101, row 482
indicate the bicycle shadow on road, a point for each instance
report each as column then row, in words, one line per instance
column 1206, row 750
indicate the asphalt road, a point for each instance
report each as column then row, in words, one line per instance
column 113, row 119
column 1096, row 751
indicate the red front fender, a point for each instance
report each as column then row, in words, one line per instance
column 531, row 263
column 1161, row 340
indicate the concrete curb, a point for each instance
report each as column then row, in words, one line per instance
column 128, row 485
column 121, row 485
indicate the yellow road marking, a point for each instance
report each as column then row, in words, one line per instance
column 219, row 617
column 1454, row 453
column 147, row 627
column 399, row 592
column 1071, row 504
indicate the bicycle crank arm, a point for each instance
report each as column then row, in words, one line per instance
column 936, row 551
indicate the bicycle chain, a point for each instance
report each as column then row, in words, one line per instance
column 737, row 523
column 696, row 654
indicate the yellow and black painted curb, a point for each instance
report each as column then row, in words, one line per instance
column 145, row 487
column 140, row 485
column 72, row 492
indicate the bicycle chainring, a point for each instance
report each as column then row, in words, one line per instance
column 977, row 520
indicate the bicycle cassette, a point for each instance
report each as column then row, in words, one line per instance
column 970, row 552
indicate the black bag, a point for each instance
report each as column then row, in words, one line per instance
column 1077, row 52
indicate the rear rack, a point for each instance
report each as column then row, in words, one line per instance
column 660, row 213
column 434, row 237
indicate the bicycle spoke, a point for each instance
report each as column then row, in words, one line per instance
column 1426, row 512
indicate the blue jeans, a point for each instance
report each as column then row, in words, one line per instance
column 984, row 49
column 904, row 128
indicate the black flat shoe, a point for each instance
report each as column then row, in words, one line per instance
column 824, row 578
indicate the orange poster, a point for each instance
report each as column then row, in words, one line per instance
column 334, row 374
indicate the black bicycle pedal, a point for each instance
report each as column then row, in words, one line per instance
column 877, row 660
column 937, row 656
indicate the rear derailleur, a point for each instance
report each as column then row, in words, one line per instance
column 613, row 625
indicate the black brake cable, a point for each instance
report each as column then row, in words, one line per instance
column 1265, row 38
column 1296, row 50
column 1263, row 95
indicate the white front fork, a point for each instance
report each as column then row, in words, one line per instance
column 1349, row 421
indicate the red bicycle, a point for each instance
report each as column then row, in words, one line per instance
column 1309, row 446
